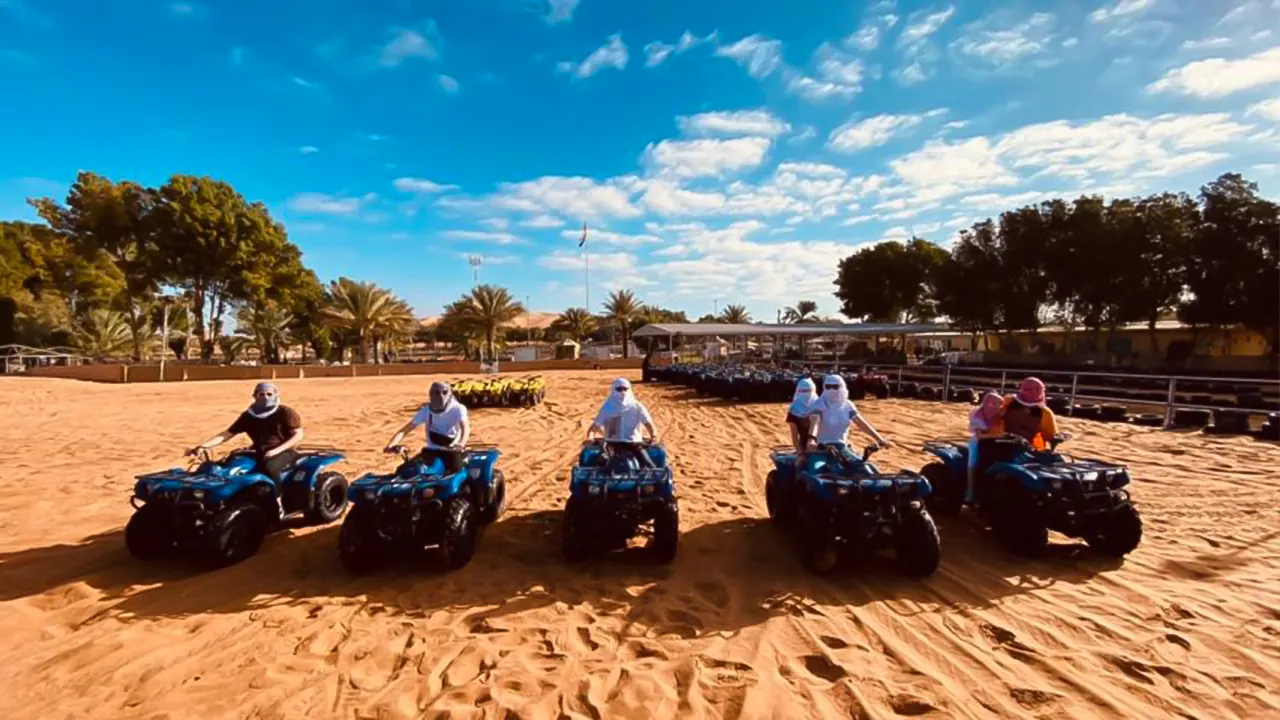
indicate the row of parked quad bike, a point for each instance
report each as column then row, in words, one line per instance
column 750, row 384
column 831, row 502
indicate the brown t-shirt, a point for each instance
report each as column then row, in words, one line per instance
column 268, row 432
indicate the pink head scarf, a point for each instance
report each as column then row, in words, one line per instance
column 988, row 410
column 1031, row 392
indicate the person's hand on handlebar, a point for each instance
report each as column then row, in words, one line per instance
column 193, row 452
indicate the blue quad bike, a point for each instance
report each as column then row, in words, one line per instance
column 1023, row 493
column 837, row 502
column 219, row 512
column 619, row 491
column 422, row 509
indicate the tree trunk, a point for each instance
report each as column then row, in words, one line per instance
column 364, row 348
column 1152, row 335
column 488, row 342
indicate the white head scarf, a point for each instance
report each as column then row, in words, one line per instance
column 804, row 398
column 265, row 407
column 836, row 396
column 620, row 398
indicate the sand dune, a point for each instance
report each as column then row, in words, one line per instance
column 1187, row 627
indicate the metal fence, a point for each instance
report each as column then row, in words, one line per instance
column 1203, row 393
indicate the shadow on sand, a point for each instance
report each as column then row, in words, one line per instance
column 729, row 574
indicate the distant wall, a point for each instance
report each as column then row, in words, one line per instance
column 178, row 373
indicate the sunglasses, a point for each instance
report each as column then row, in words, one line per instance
column 831, row 387
column 264, row 395
column 620, row 389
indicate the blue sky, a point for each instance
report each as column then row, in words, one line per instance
column 719, row 151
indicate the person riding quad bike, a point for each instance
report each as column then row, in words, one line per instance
column 274, row 431
column 621, row 419
column 448, row 427
column 836, row 413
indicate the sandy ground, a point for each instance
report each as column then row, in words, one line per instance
column 1188, row 626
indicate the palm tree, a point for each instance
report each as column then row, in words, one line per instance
column 232, row 347
column 735, row 315
column 104, row 333
column 622, row 309
column 366, row 312
column 483, row 312
column 267, row 327
column 574, row 323
column 805, row 311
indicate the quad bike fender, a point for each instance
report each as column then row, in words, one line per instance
column 313, row 464
column 479, row 464
column 951, row 457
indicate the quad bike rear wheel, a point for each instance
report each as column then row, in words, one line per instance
column 149, row 534
column 497, row 502
column 919, row 549
column 359, row 544
column 773, row 499
column 818, row 550
column 458, row 542
column 236, row 535
column 1021, row 531
column 666, row 532
column 1120, row 533
column 330, row 498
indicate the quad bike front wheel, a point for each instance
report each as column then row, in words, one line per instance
column 772, row 498
column 919, row 549
column 666, row 532
column 574, row 537
column 458, row 542
column 330, row 498
column 1120, row 533
column 497, row 500
column 359, row 544
column 948, row 496
column 149, row 534
column 236, row 535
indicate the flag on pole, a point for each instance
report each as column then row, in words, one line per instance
column 583, row 241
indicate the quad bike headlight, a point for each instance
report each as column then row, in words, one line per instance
column 369, row 495
column 428, row 493
column 474, row 473
column 647, row 489
column 197, row 494
column 594, row 489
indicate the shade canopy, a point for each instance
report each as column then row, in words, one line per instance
column 809, row 329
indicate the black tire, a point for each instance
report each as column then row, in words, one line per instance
column 772, row 498
column 458, row 542
column 919, row 549
column 882, row 392
column 149, row 534
column 361, row 548
column 947, row 497
column 1121, row 533
column 818, row 552
column 574, row 538
column 235, row 536
column 493, row 510
column 330, row 499
column 666, row 532
column 1021, row 530
column 857, row 392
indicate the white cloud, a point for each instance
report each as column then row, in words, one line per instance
column 566, row 260
column 866, row 39
column 757, row 53
column 420, row 185
column 542, row 222
column 858, row 135
column 811, row 169
column 839, row 76
column 308, row 149
column 613, row 54
column 448, row 84
column 760, row 123
column 576, row 197
column 1001, row 42
column 1070, row 42
column 304, row 83
column 182, row 8
column 1121, row 9
column 407, row 43
column 657, row 52
column 808, row 133
column 498, row 238
column 1262, row 34
column 919, row 54
column 492, row 259
column 560, row 10
column 706, row 157
column 1217, row 77
column 1211, row 43
column 497, row 223
column 609, row 237
column 312, row 203
column 1268, row 109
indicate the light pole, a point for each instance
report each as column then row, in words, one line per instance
column 715, row 308
column 475, row 261
column 166, row 301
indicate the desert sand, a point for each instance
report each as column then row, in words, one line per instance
column 1188, row 626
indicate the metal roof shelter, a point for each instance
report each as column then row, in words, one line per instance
column 810, row 329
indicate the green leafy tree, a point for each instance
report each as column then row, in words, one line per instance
column 267, row 327
column 805, row 311
column 103, row 333
column 890, row 282
column 1154, row 286
column 575, row 323
column 367, row 313
column 735, row 315
column 966, row 286
column 621, row 310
